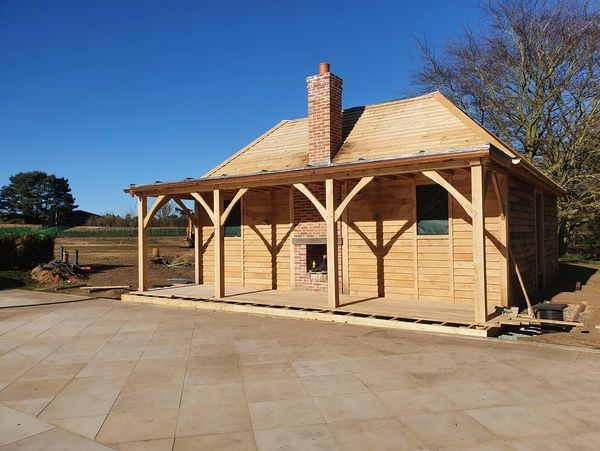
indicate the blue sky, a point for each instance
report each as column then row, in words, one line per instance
column 113, row 92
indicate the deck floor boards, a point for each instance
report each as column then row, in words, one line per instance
column 440, row 311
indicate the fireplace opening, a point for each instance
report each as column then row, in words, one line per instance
column 316, row 258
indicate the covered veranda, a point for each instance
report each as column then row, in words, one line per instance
column 485, row 164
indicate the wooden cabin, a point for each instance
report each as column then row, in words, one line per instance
column 403, row 201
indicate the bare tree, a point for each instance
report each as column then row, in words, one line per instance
column 532, row 77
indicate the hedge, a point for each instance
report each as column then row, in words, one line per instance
column 25, row 251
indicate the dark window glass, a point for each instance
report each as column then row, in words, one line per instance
column 233, row 225
column 432, row 210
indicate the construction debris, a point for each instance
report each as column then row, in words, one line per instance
column 57, row 272
column 109, row 287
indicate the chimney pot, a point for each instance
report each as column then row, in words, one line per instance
column 323, row 68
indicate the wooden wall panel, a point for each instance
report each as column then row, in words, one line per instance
column 462, row 241
column 521, row 221
column 267, row 233
column 550, row 238
column 380, row 241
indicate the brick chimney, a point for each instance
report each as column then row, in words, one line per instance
column 324, row 116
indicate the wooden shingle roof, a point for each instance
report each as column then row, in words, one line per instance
column 424, row 124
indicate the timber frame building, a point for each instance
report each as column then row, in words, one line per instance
column 408, row 201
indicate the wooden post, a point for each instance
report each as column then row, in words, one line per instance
column 291, row 239
column 197, row 242
column 478, row 215
column 219, row 245
column 345, row 244
column 142, row 244
column 333, row 292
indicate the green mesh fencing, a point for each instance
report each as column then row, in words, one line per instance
column 20, row 231
column 116, row 232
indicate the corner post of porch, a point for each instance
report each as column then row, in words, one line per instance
column 219, row 245
column 142, row 244
column 197, row 239
column 333, row 291
column 479, row 270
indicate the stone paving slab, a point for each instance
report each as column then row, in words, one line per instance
column 23, row 298
column 103, row 374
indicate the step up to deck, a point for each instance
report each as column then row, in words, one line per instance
column 320, row 314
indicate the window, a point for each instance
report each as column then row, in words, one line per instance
column 233, row 225
column 432, row 210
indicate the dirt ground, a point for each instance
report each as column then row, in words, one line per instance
column 589, row 295
column 114, row 262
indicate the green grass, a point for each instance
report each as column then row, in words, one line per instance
column 17, row 279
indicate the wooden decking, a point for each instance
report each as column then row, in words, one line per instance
column 419, row 310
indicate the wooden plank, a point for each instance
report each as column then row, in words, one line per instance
column 318, row 205
column 478, row 217
column 333, row 293
column 345, row 245
column 501, row 197
column 291, row 239
column 440, row 180
column 197, row 246
column 219, row 245
column 142, row 245
column 157, row 205
column 451, row 240
column 415, row 242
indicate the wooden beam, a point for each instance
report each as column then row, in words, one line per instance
column 504, row 237
column 478, row 217
column 440, row 180
column 499, row 198
column 191, row 215
column 341, row 174
column 219, row 245
column 359, row 186
column 205, row 205
column 157, row 205
column 291, row 239
column 345, row 246
column 318, row 205
column 522, row 283
column 142, row 245
column 197, row 246
column 333, row 291
column 231, row 205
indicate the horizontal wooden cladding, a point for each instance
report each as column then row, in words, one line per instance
column 550, row 238
column 521, row 217
column 267, row 233
column 462, row 246
column 380, row 250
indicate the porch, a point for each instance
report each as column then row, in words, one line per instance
column 444, row 317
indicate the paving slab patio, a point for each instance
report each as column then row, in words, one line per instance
column 102, row 374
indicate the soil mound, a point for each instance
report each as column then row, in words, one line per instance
column 55, row 273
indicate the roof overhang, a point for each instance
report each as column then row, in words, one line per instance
column 444, row 159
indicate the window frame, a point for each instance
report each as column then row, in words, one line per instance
column 229, row 230
column 418, row 212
